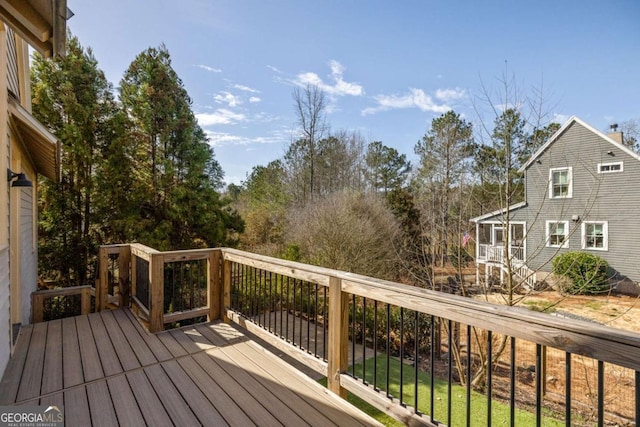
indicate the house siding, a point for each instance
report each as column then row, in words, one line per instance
column 28, row 260
column 5, row 309
column 611, row 197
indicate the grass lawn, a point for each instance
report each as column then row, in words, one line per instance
column 500, row 412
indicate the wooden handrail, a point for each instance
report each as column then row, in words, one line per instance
column 577, row 337
column 38, row 297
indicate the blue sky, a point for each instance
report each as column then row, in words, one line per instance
column 388, row 68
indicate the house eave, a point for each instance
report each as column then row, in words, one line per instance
column 498, row 212
column 42, row 146
column 42, row 23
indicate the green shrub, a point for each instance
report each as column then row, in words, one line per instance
column 587, row 273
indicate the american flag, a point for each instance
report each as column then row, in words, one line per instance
column 465, row 239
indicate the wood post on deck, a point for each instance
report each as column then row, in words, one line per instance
column 156, row 291
column 214, row 281
column 102, row 287
column 226, row 288
column 338, row 334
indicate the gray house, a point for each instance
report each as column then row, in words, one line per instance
column 582, row 192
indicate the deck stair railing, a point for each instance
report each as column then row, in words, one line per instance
column 424, row 357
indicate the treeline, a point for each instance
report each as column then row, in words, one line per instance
column 336, row 200
column 135, row 167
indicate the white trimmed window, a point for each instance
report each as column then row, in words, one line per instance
column 610, row 167
column 558, row 234
column 595, row 235
column 560, row 183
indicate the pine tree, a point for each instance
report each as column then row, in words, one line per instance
column 177, row 170
column 72, row 97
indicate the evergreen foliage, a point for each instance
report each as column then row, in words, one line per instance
column 588, row 274
column 138, row 170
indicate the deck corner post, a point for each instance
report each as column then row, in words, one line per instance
column 37, row 308
column 156, row 290
column 338, row 336
column 102, row 286
column 215, row 292
column 85, row 300
column 124, row 271
column 226, row 287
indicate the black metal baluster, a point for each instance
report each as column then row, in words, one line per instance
column 567, row 391
column 375, row 345
column 293, row 321
column 637, row 397
column 512, row 378
column 315, row 339
column 432, row 367
column 402, row 357
column 324, row 323
column 300, row 316
column 449, row 370
column 288, row 305
column 280, row 305
column 308, row 317
column 416, row 348
column 600, row 393
column 270, row 301
column 489, row 375
column 353, row 336
column 538, row 384
column 388, row 348
column 364, row 339
column 469, row 350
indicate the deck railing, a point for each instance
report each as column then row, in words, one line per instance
column 51, row 304
column 422, row 356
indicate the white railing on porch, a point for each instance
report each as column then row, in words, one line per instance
column 496, row 254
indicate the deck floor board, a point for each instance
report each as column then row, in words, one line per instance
column 105, row 369
column 71, row 360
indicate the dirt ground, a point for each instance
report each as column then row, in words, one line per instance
column 617, row 311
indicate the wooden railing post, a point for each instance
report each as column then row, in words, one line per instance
column 102, row 286
column 85, row 301
column 124, row 265
column 37, row 308
column 338, row 336
column 214, row 280
column 156, row 291
column 226, row 288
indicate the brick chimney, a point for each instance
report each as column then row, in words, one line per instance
column 614, row 134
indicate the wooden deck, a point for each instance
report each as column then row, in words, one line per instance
column 105, row 369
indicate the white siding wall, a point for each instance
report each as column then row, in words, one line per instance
column 5, row 311
column 29, row 260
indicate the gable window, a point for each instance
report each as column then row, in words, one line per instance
column 595, row 235
column 560, row 183
column 610, row 167
column 558, row 234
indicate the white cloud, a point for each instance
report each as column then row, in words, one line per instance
column 227, row 98
column 245, row 88
column 221, row 116
column 208, row 68
column 218, row 139
column 254, row 99
column 559, row 118
column 274, row 69
column 416, row 98
column 447, row 95
column 338, row 87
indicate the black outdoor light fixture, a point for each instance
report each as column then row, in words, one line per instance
column 22, row 180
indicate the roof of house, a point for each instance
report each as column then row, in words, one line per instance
column 499, row 212
column 560, row 131
column 42, row 23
